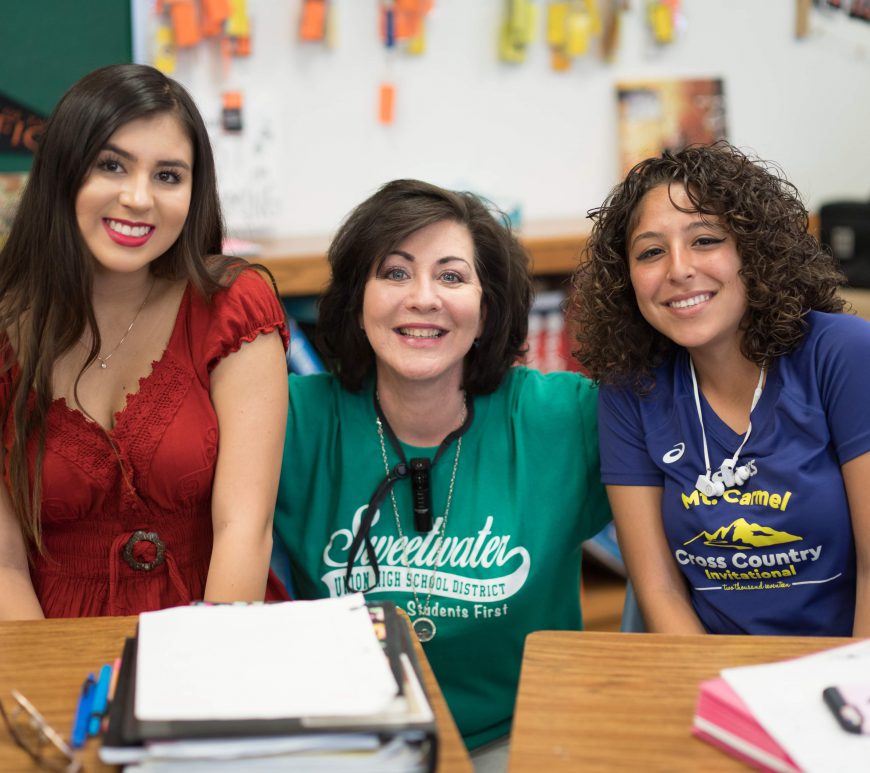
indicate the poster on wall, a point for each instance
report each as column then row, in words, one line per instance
column 667, row 115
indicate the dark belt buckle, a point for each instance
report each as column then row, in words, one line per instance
column 144, row 536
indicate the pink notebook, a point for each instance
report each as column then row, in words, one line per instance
column 724, row 720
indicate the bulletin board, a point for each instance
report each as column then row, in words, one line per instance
column 535, row 141
column 47, row 45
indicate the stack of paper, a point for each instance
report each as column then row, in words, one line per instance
column 724, row 720
column 773, row 715
column 329, row 685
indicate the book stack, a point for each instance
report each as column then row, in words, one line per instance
column 302, row 357
column 779, row 716
column 549, row 341
column 319, row 685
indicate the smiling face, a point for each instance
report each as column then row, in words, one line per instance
column 422, row 306
column 133, row 203
column 685, row 273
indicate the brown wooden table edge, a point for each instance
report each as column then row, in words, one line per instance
column 549, row 657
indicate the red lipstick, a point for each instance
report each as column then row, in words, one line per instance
column 127, row 240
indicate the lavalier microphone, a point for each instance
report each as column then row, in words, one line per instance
column 421, row 489
column 421, row 493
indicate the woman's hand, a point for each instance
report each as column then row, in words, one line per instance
column 17, row 598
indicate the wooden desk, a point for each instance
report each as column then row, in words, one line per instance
column 609, row 701
column 47, row 660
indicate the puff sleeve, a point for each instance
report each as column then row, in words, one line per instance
column 235, row 315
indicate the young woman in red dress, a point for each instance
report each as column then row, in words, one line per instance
column 143, row 385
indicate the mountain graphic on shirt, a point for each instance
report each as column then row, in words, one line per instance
column 742, row 535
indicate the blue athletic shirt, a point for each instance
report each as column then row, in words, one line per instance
column 777, row 554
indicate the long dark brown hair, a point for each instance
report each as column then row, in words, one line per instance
column 784, row 269
column 376, row 228
column 46, row 271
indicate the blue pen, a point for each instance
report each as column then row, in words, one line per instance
column 101, row 694
column 83, row 713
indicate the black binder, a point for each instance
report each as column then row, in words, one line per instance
column 126, row 737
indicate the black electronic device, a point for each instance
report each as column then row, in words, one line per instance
column 844, row 227
column 421, row 493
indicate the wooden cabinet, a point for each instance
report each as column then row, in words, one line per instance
column 860, row 300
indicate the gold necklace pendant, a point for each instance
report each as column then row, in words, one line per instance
column 104, row 361
column 424, row 628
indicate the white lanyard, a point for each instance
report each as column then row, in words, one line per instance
column 728, row 468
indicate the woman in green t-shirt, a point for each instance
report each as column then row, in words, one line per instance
column 425, row 468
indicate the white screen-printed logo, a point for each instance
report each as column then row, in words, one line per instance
column 675, row 454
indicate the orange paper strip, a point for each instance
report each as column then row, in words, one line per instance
column 214, row 14
column 185, row 24
column 387, row 103
column 312, row 25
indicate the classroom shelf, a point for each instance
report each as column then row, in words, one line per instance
column 300, row 268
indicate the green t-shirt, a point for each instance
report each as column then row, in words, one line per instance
column 526, row 494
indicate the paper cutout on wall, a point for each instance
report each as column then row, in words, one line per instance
column 20, row 127
column 404, row 21
column 517, row 30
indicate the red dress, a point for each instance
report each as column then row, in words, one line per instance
column 131, row 531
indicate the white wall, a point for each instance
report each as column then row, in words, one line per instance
column 312, row 147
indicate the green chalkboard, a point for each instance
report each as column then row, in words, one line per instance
column 47, row 45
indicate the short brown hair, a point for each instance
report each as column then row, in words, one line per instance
column 376, row 228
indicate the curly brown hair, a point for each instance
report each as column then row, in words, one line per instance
column 785, row 270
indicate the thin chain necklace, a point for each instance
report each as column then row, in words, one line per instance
column 423, row 626
column 104, row 361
